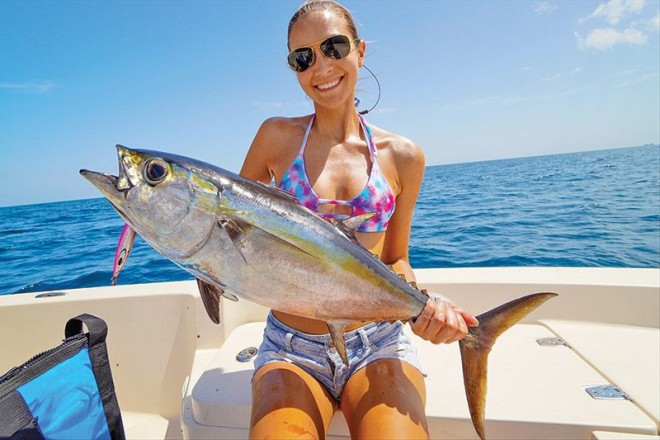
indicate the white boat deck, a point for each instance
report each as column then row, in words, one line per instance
column 540, row 387
column 176, row 374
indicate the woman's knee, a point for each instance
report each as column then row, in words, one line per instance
column 288, row 403
column 386, row 399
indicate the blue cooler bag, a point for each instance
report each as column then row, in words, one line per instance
column 63, row 393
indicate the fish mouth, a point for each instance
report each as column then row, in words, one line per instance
column 106, row 183
column 114, row 188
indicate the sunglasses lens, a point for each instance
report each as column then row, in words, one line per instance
column 301, row 59
column 336, row 47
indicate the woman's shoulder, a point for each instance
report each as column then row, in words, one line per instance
column 277, row 135
column 402, row 150
column 274, row 147
column 282, row 126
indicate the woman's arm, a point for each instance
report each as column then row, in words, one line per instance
column 441, row 321
column 257, row 163
column 409, row 165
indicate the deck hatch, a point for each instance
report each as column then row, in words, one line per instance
column 606, row 392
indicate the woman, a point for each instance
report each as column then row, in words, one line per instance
column 325, row 160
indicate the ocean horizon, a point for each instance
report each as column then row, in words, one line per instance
column 598, row 208
column 46, row 202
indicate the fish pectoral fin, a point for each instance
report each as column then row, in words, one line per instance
column 236, row 233
column 337, row 328
column 476, row 346
column 211, row 298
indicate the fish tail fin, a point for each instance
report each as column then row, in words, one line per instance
column 478, row 343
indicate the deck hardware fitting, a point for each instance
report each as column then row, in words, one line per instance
column 607, row 392
column 50, row 295
column 246, row 354
column 551, row 342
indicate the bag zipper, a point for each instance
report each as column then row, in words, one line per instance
column 66, row 342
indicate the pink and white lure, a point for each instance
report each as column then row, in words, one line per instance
column 124, row 247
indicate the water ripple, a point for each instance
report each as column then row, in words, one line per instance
column 593, row 209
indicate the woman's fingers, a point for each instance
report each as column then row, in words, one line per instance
column 440, row 322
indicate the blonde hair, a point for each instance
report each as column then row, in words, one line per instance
column 322, row 5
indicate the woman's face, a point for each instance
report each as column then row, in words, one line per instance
column 330, row 83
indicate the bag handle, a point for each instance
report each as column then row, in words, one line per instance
column 98, row 330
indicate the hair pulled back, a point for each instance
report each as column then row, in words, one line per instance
column 323, row 5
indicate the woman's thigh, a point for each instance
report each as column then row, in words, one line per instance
column 386, row 399
column 287, row 402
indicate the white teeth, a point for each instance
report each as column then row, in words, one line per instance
column 329, row 85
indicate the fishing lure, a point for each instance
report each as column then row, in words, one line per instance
column 124, row 247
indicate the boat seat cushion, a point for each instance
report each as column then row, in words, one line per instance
column 222, row 395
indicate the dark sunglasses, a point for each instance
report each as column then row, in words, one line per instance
column 335, row 47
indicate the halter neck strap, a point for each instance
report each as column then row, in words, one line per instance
column 365, row 129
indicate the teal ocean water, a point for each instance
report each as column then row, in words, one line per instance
column 589, row 209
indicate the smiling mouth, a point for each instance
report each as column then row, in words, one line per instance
column 329, row 85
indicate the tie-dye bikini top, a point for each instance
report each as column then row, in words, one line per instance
column 376, row 197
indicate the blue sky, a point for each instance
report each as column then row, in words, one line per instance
column 466, row 80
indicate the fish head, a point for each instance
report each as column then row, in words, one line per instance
column 161, row 198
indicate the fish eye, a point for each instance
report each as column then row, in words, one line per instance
column 155, row 171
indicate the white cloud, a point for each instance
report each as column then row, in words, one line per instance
column 562, row 89
column 606, row 38
column 562, row 75
column 640, row 79
column 267, row 104
column 545, row 8
column 614, row 10
column 552, row 78
column 654, row 23
column 383, row 111
column 32, row 87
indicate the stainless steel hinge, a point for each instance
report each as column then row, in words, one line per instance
column 551, row 342
column 607, row 392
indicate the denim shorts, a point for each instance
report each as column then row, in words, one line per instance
column 317, row 355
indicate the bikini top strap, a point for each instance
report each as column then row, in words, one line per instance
column 365, row 128
column 304, row 141
column 369, row 137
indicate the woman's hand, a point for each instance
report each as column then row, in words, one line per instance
column 442, row 321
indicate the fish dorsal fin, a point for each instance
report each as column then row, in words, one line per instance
column 337, row 328
column 350, row 225
column 237, row 234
